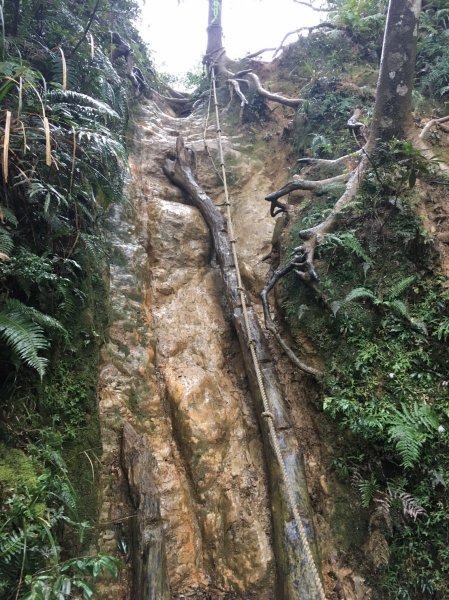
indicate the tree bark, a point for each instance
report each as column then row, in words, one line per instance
column 214, row 27
column 392, row 109
column 150, row 580
column 294, row 579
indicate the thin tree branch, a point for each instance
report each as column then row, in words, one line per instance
column 310, row 5
column 254, row 54
column 86, row 29
column 309, row 29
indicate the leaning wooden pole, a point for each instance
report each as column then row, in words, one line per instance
column 295, row 578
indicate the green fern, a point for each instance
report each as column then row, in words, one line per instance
column 355, row 294
column 398, row 307
column 16, row 308
column 367, row 489
column 11, row 546
column 80, row 104
column 399, row 287
column 22, row 328
column 409, row 428
column 6, row 242
column 349, row 242
column 26, row 339
column 442, row 331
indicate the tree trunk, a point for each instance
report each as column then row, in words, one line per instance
column 214, row 28
column 392, row 110
column 147, row 537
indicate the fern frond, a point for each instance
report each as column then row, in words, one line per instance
column 442, row 331
column 408, row 443
column 95, row 246
column 399, row 287
column 8, row 216
column 81, row 102
column 349, row 241
column 358, row 293
column 16, row 308
column 410, row 506
column 355, row 294
column 26, row 339
column 6, row 241
column 409, row 428
column 11, row 546
column 399, row 307
column 367, row 489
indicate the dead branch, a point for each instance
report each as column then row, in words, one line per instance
column 258, row 53
column 310, row 5
column 431, row 124
column 309, row 29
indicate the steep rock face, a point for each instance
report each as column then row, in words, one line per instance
column 173, row 369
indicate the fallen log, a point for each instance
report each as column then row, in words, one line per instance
column 295, row 580
column 150, row 581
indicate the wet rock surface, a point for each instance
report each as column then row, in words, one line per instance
column 174, row 371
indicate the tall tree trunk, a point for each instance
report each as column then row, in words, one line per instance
column 214, row 27
column 392, row 110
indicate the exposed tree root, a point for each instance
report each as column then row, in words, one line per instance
column 434, row 123
column 346, row 160
column 305, row 184
column 302, row 261
column 295, row 263
column 296, row 578
column 235, row 86
column 293, row 102
column 356, row 127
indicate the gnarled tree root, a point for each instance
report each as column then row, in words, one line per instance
column 434, row 123
column 295, row 581
column 302, row 261
column 295, row 263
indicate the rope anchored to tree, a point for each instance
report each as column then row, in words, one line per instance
column 266, row 414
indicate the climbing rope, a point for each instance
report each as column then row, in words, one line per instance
column 266, row 403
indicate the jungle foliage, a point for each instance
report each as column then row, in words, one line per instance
column 64, row 111
column 381, row 314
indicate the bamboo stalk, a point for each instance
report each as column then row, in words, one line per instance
column 6, row 146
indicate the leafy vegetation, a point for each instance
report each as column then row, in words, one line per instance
column 64, row 111
column 380, row 317
column 381, row 321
